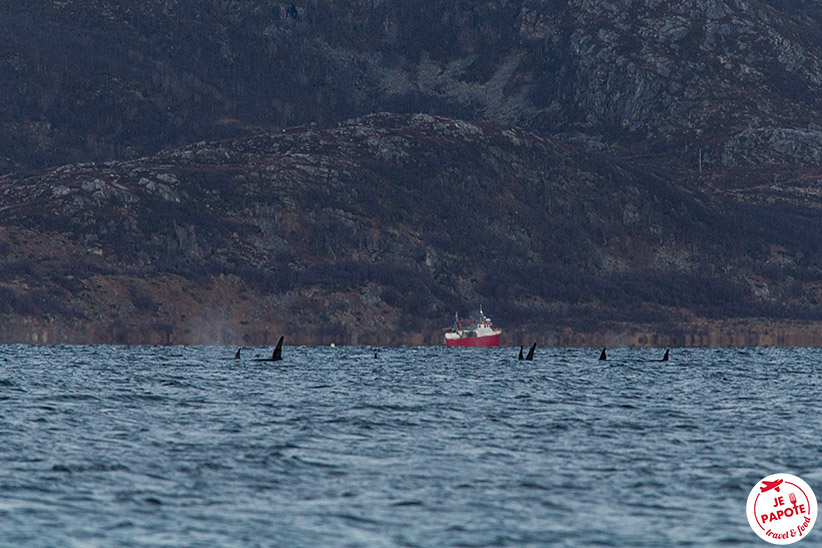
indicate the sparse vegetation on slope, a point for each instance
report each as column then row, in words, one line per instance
column 579, row 165
column 378, row 229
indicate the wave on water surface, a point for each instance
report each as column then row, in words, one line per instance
column 418, row 446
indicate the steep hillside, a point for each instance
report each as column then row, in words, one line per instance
column 581, row 167
column 721, row 82
column 377, row 230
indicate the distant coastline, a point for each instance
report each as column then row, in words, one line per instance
column 742, row 332
column 592, row 174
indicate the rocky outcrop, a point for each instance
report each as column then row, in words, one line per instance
column 379, row 228
column 684, row 83
column 359, row 170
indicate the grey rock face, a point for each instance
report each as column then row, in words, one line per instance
column 648, row 77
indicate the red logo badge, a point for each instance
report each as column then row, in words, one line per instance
column 782, row 509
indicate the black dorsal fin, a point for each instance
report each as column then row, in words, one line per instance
column 520, row 354
column 603, row 356
column 278, row 351
column 665, row 357
column 530, row 355
column 237, row 355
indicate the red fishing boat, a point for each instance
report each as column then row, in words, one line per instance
column 476, row 331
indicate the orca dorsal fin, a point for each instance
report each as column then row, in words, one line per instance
column 530, row 355
column 237, row 355
column 521, row 357
column 278, row 351
column 602, row 356
column 665, row 357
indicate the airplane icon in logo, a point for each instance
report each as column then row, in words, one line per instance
column 771, row 485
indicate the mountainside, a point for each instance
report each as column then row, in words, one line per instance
column 378, row 230
column 731, row 82
column 586, row 170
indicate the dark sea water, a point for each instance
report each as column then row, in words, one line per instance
column 177, row 446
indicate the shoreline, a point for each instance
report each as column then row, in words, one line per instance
column 698, row 333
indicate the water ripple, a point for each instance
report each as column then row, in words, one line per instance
column 158, row 446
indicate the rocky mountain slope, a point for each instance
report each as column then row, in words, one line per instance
column 730, row 82
column 641, row 168
column 377, row 230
